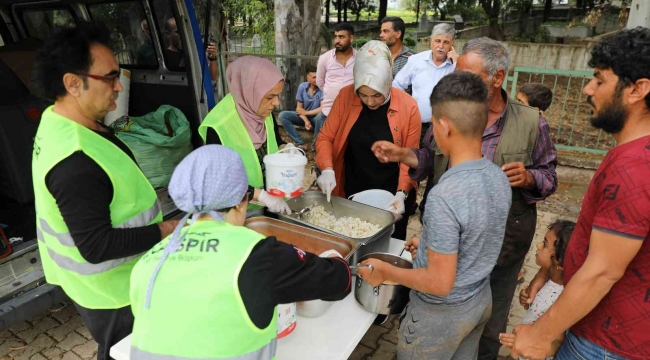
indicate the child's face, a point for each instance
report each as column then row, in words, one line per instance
column 522, row 98
column 545, row 250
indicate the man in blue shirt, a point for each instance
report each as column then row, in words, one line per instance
column 425, row 69
column 309, row 98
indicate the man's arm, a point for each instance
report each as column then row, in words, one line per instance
column 321, row 71
column 609, row 256
column 83, row 193
column 440, row 239
column 403, row 78
column 437, row 278
column 314, row 112
column 543, row 168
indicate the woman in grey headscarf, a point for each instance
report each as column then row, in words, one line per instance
column 368, row 111
column 210, row 289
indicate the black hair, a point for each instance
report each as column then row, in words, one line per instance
column 66, row 50
column 539, row 95
column 462, row 98
column 625, row 53
column 563, row 230
column 310, row 69
column 344, row 27
column 398, row 24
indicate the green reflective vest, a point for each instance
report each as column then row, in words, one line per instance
column 232, row 133
column 196, row 310
column 94, row 286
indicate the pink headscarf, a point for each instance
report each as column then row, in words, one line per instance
column 249, row 79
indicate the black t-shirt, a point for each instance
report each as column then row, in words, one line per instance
column 278, row 273
column 362, row 169
column 174, row 60
column 83, row 193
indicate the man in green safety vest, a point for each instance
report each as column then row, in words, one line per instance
column 96, row 213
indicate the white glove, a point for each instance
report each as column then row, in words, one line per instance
column 274, row 203
column 327, row 182
column 397, row 204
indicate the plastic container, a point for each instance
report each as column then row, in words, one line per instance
column 376, row 198
column 285, row 172
column 287, row 318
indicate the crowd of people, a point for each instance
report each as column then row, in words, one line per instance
column 384, row 118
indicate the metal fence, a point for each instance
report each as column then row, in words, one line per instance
column 568, row 115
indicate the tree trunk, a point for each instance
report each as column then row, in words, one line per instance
column 297, row 30
column 417, row 13
column 339, row 8
column 327, row 13
column 345, row 11
column 492, row 9
column 548, row 4
column 311, row 27
column 523, row 18
column 383, row 7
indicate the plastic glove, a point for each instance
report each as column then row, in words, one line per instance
column 274, row 203
column 396, row 205
column 327, row 182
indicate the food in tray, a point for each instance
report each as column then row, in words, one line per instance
column 347, row 226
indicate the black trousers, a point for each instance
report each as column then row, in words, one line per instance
column 107, row 327
column 503, row 282
column 402, row 225
column 425, row 127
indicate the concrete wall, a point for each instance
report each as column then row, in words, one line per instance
column 549, row 56
column 639, row 14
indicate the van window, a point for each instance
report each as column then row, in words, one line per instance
column 130, row 34
column 170, row 36
column 40, row 23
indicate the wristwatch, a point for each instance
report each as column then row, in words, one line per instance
column 406, row 193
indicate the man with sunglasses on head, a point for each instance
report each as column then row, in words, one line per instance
column 96, row 213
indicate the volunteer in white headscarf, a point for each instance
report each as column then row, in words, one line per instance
column 370, row 110
column 210, row 290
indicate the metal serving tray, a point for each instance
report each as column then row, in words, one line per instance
column 310, row 240
column 342, row 207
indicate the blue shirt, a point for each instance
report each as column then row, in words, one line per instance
column 422, row 74
column 309, row 102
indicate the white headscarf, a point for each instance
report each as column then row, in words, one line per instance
column 373, row 67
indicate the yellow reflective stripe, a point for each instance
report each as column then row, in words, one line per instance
column 142, row 219
column 265, row 353
column 85, row 268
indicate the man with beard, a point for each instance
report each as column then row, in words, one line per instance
column 517, row 138
column 96, row 212
column 334, row 70
column 423, row 70
column 605, row 303
column 392, row 34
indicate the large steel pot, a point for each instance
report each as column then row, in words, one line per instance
column 387, row 298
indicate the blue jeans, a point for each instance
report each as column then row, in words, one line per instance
column 577, row 348
column 289, row 121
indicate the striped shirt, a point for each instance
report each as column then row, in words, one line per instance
column 401, row 60
column 544, row 157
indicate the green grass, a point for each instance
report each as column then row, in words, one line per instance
column 406, row 15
